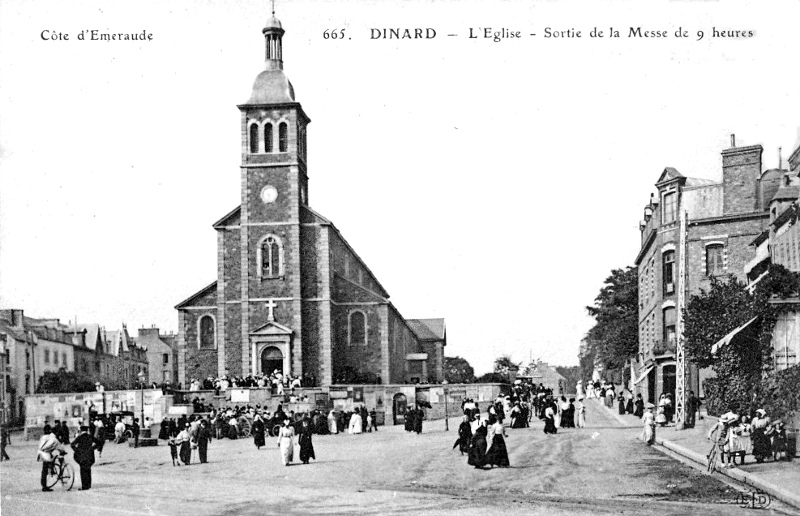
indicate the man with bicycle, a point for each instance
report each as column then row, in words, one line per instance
column 50, row 448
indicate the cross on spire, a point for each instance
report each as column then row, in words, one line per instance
column 271, row 304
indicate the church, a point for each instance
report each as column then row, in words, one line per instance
column 291, row 294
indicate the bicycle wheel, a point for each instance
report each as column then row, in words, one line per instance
column 52, row 474
column 67, row 476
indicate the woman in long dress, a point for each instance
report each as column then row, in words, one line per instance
column 286, row 442
column 762, row 447
column 333, row 426
column 556, row 414
column 464, row 435
column 185, row 441
column 563, row 413
column 639, row 410
column 355, row 423
column 258, row 431
column 304, row 440
column 549, row 419
column 649, row 422
column 477, row 447
column 581, row 409
column 497, row 454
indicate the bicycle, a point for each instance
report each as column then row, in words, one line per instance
column 61, row 471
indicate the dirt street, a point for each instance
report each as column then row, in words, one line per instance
column 597, row 470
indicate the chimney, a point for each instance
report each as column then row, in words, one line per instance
column 741, row 170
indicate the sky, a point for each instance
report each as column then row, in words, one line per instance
column 492, row 183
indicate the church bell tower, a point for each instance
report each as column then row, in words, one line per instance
column 274, row 186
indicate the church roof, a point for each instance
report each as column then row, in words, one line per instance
column 271, row 87
column 233, row 218
column 190, row 300
column 428, row 329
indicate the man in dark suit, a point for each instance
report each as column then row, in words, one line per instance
column 84, row 446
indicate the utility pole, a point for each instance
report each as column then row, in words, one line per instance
column 680, row 356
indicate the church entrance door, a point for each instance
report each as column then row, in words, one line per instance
column 271, row 359
column 399, row 409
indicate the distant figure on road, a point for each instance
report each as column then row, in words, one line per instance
column 355, row 423
column 649, row 422
column 333, row 425
column 4, row 441
column 84, row 446
column 550, row 418
column 477, row 447
column 464, row 435
column 258, row 432
column 305, row 442
column 639, row 404
column 497, row 454
column 581, row 408
column 286, row 442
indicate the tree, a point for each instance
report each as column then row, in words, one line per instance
column 506, row 368
column 63, row 381
column 571, row 374
column 745, row 379
column 615, row 336
column 458, row 370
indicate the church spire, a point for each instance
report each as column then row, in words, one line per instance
column 273, row 34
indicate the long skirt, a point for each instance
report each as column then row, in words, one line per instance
column 649, row 434
column 581, row 419
column 332, row 426
column 477, row 451
column 287, row 450
column 306, row 449
column 550, row 426
column 761, row 446
column 259, row 439
column 498, row 454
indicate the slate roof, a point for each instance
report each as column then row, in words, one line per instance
column 787, row 193
column 428, row 329
column 205, row 290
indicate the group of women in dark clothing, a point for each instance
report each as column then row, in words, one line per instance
column 486, row 445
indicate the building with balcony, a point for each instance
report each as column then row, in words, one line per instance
column 721, row 220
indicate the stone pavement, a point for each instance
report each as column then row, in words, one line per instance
column 780, row 480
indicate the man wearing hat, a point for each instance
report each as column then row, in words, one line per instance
column 84, row 446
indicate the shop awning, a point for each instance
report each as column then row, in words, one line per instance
column 727, row 338
column 643, row 375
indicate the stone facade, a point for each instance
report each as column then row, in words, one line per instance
column 291, row 294
column 722, row 221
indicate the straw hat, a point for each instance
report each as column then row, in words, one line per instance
column 728, row 417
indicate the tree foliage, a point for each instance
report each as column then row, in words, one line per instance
column 506, row 368
column 745, row 379
column 458, row 370
column 63, row 381
column 615, row 336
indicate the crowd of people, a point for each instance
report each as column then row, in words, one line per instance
column 735, row 437
column 278, row 382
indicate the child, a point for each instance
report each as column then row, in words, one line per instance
column 779, row 442
column 173, row 451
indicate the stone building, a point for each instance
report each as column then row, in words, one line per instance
column 291, row 294
column 162, row 354
column 723, row 219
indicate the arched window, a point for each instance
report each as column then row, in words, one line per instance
column 206, row 332
column 271, row 257
column 267, row 137
column 253, row 138
column 283, row 137
column 358, row 328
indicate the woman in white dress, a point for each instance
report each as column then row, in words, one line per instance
column 649, row 430
column 355, row 423
column 333, row 426
column 286, row 442
column 580, row 408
